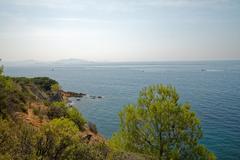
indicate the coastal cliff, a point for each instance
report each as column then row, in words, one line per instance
column 43, row 96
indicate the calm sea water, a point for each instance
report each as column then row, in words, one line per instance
column 214, row 94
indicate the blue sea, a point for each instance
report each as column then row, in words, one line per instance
column 211, row 87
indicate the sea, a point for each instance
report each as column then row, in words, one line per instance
column 211, row 87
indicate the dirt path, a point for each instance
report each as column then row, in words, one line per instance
column 30, row 117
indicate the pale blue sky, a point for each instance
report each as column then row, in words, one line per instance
column 120, row 30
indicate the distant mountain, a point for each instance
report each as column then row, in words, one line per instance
column 71, row 62
column 23, row 63
column 63, row 62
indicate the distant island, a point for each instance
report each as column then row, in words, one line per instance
column 57, row 63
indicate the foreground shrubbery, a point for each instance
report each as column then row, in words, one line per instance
column 59, row 139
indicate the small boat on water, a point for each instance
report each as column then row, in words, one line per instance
column 203, row 70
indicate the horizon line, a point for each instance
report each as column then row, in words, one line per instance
column 116, row 61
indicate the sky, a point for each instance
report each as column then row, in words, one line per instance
column 120, row 30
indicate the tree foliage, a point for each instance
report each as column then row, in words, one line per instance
column 159, row 125
column 76, row 117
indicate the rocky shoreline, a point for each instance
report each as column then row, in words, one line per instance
column 72, row 94
column 69, row 94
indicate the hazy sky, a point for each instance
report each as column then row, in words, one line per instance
column 120, row 30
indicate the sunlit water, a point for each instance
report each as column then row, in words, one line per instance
column 213, row 89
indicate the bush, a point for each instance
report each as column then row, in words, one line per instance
column 44, row 82
column 59, row 139
column 56, row 138
column 121, row 155
column 6, row 156
column 11, row 98
column 26, row 136
column 76, row 117
column 57, row 110
column 83, row 151
column 7, row 137
column 16, row 141
column 1, row 69
column 55, row 87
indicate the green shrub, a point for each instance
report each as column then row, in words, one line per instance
column 1, row 70
column 11, row 98
column 76, row 117
column 44, row 82
column 7, row 137
column 123, row 155
column 16, row 140
column 55, row 87
column 26, row 140
column 83, row 151
column 6, row 156
column 55, row 138
column 57, row 110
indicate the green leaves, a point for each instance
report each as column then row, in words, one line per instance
column 60, row 110
column 16, row 140
column 76, row 117
column 1, row 69
column 55, row 138
column 159, row 125
column 55, row 87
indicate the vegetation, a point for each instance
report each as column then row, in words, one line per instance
column 55, row 87
column 60, row 110
column 159, row 125
column 1, row 69
column 16, row 141
column 59, row 140
column 11, row 98
column 55, row 138
column 76, row 117
column 57, row 110
column 44, row 82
